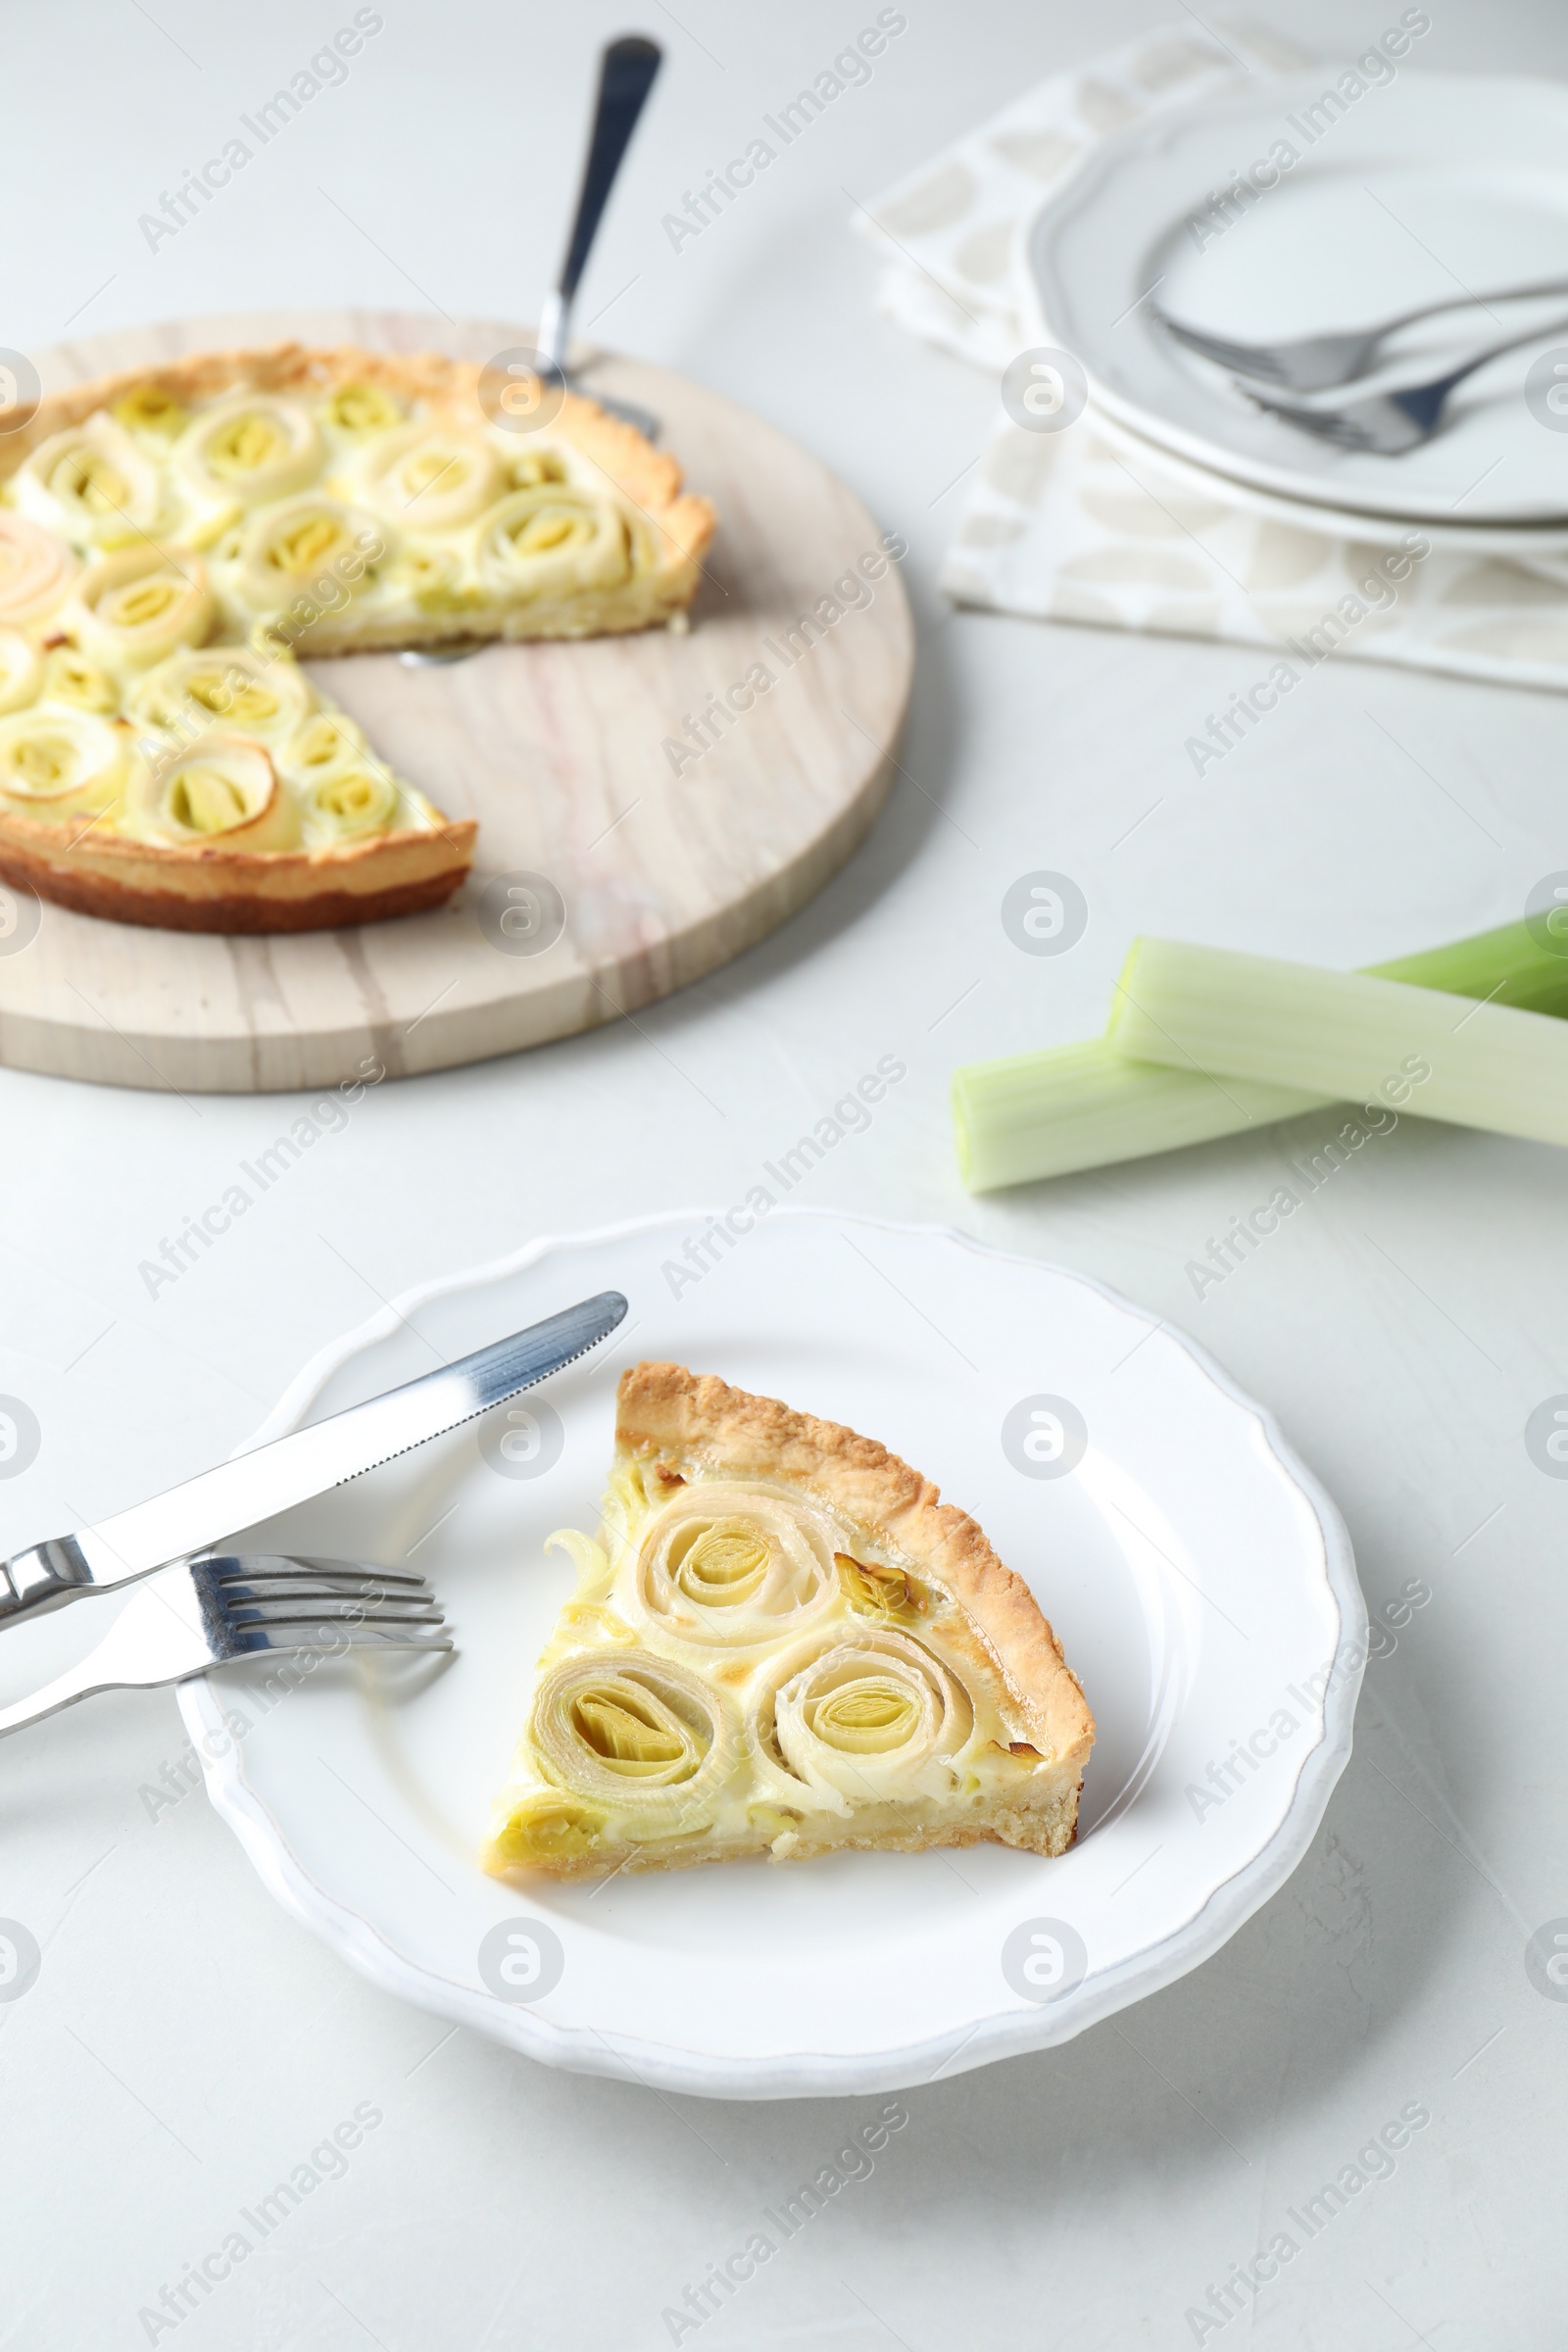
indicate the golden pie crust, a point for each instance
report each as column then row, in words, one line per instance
column 170, row 887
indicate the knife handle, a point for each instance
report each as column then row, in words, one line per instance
column 45, row 1576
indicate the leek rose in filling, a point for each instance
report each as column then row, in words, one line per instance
column 61, row 762
column 134, row 607
column 553, row 541
column 730, row 1565
column 92, row 483
column 250, row 449
column 638, row 1736
column 224, row 788
column 35, row 570
column 183, row 697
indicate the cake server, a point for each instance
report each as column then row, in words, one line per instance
column 192, row 1517
column 626, row 70
column 625, row 78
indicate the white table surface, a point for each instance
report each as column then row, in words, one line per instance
column 185, row 2046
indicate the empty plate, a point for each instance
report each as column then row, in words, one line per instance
column 1422, row 187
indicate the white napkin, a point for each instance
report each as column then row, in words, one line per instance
column 1065, row 527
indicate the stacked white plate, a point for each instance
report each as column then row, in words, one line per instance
column 1422, row 188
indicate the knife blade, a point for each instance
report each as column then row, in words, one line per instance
column 308, row 1461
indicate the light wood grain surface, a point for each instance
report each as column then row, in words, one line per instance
column 664, row 869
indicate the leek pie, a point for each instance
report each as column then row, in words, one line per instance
column 169, row 539
column 782, row 1642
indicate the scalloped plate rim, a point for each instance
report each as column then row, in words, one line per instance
column 806, row 2073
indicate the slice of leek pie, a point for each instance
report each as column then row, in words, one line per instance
column 168, row 539
column 783, row 1642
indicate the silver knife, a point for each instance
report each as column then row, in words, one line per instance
column 191, row 1517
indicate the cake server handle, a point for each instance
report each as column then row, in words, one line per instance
column 626, row 75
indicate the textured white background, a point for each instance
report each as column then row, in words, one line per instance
column 185, row 2046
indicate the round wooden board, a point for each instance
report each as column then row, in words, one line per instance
column 559, row 751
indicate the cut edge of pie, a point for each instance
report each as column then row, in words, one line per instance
column 963, row 1619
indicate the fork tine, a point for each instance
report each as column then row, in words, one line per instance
column 304, row 1612
column 1252, row 359
column 272, row 1603
column 308, row 1585
column 269, row 1641
column 307, row 1588
column 285, row 1634
column 1327, row 425
column 261, row 1567
column 322, row 1582
column 367, row 1569
column 316, row 1633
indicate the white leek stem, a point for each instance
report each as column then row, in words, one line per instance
column 1082, row 1107
column 1343, row 1035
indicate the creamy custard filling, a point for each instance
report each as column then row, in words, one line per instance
column 739, row 1666
column 21, row 670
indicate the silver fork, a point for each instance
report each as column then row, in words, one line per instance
column 222, row 1609
column 1386, row 423
column 1318, row 362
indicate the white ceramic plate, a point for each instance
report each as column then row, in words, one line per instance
column 1199, row 1577
column 1539, row 547
column 1419, row 188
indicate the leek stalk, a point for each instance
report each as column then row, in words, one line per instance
column 1343, row 1034
column 1052, row 1112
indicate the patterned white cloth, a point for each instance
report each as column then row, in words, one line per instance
column 1065, row 527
